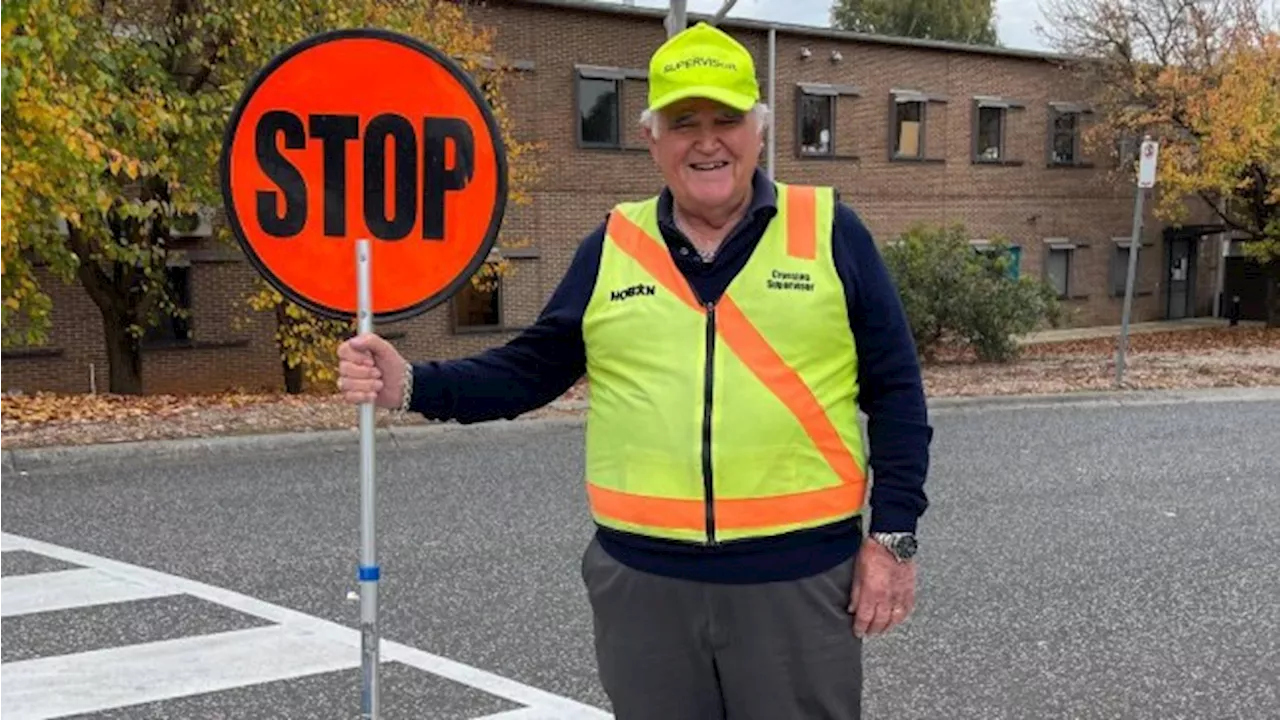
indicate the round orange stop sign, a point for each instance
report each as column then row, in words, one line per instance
column 364, row 134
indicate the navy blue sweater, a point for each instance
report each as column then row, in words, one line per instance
column 546, row 359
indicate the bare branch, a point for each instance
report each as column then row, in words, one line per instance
column 1212, row 202
column 724, row 10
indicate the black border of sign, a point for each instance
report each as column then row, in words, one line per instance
column 500, row 153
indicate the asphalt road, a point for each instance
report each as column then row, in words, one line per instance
column 1081, row 562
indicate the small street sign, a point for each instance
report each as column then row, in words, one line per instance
column 1147, row 163
column 364, row 134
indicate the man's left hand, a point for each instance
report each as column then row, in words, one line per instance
column 884, row 590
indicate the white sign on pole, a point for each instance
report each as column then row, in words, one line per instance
column 1147, row 164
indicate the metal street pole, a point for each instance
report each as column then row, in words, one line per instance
column 675, row 17
column 773, row 76
column 1146, row 179
column 1134, row 241
column 368, row 572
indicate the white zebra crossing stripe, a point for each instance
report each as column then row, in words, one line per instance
column 115, row 677
column 527, row 713
column 298, row 644
column 66, row 589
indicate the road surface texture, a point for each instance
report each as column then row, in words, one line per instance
column 1082, row 561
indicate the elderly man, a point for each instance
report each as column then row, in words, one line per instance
column 730, row 329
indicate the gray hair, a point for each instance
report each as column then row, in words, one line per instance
column 759, row 113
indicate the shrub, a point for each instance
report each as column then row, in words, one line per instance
column 954, row 294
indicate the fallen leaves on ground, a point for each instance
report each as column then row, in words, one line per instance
column 1202, row 358
column 1214, row 357
column 45, row 419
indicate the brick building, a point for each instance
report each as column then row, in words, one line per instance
column 908, row 131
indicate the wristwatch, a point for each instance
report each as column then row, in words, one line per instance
column 901, row 544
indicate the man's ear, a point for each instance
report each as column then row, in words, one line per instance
column 651, row 141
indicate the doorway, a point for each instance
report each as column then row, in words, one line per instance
column 1180, row 273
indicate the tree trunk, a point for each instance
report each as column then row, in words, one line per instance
column 124, row 355
column 292, row 379
column 124, row 352
column 117, row 285
column 292, row 375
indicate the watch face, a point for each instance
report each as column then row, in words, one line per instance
column 906, row 547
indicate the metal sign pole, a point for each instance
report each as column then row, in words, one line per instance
column 368, row 547
column 1128, row 285
column 676, row 18
column 334, row 71
column 1146, row 179
column 773, row 106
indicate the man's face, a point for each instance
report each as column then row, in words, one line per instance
column 707, row 153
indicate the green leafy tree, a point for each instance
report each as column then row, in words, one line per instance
column 955, row 295
column 966, row 21
column 113, row 113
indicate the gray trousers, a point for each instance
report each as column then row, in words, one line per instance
column 671, row 649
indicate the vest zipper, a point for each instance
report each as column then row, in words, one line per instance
column 706, row 424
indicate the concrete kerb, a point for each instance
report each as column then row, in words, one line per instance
column 72, row 456
column 1116, row 398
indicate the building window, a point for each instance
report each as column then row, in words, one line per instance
column 817, row 124
column 603, row 97
column 1128, row 145
column 990, row 134
column 1120, row 267
column 1065, row 138
column 908, row 126
column 1012, row 256
column 174, row 327
column 599, row 101
column 1058, row 268
column 478, row 305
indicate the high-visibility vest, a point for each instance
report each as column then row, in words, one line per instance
column 738, row 419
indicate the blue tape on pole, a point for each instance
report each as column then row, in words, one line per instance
column 368, row 572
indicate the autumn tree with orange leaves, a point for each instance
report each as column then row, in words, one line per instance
column 1203, row 78
column 113, row 113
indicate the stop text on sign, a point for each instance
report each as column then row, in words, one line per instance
column 417, row 155
column 327, row 146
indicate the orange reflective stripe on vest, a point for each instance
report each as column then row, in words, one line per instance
column 802, row 226
column 731, row 513
column 756, row 353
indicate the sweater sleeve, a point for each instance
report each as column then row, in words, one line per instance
column 891, row 388
column 530, row 370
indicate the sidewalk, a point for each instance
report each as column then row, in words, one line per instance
column 1110, row 331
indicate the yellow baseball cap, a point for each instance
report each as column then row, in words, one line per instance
column 703, row 61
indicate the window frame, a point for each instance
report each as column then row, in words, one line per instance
column 618, row 76
column 1068, row 248
column 1079, row 112
column 986, row 247
column 1005, row 106
column 455, row 322
column 897, row 98
column 1118, row 267
column 832, row 93
column 803, row 95
column 153, row 336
